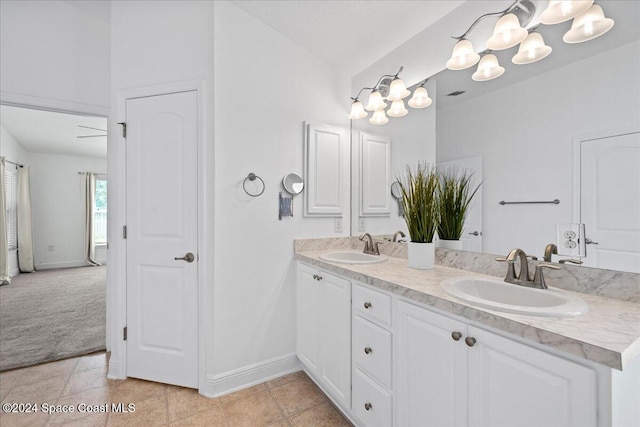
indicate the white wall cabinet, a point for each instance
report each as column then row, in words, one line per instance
column 374, row 154
column 326, row 159
column 452, row 374
column 324, row 330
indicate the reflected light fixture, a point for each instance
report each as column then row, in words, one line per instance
column 507, row 33
column 389, row 88
column 379, row 118
column 588, row 26
column 463, row 56
column 488, row 69
column 532, row 49
column 420, row 98
column 357, row 111
column 563, row 10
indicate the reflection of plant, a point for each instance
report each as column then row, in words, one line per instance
column 455, row 195
column 420, row 201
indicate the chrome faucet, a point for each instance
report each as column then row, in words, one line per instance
column 370, row 247
column 398, row 233
column 550, row 250
column 523, row 277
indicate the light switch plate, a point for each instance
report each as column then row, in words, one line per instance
column 362, row 224
column 570, row 239
column 337, row 224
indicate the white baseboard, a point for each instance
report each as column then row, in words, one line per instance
column 238, row 379
column 61, row 264
column 114, row 371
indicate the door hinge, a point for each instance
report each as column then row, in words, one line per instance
column 124, row 231
column 124, row 129
column 124, row 333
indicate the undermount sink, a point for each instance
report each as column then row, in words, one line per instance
column 499, row 295
column 353, row 257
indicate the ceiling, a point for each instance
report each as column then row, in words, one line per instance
column 348, row 35
column 49, row 132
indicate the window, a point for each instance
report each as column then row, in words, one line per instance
column 11, row 189
column 100, row 211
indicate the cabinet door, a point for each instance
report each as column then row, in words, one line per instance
column 511, row 384
column 335, row 326
column 326, row 174
column 375, row 173
column 431, row 368
column 308, row 332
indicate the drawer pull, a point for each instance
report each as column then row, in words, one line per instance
column 368, row 350
column 317, row 277
column 470, row 341
column 367, row 305
column 456, row 335
column 368, row 406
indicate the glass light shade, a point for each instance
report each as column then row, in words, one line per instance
column 397, row 90
column 588, row 26
column 375, row 102
column 463, row 56
column 397, row 109
column 379, row 118
column 562, row 10
column 507, row 33
column 357, row 111
column 420, row 98
column 488, row 69
column 532, row 49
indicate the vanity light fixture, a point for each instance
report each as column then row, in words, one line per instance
column 507, row 33
column 463, row 56
column 389, row 88
column 488, row 69
column 563, row 10
column 532, row 49
column 588, row 26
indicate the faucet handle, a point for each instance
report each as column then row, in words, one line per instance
column 538, row 278
column 503, row 259
column 532, row 257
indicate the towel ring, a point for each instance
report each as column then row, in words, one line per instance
column 252, row 177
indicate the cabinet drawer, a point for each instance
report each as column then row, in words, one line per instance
column 372, row 305
column 372, row 350
column 371, row 403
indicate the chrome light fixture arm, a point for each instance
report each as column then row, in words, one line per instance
column 376, row 86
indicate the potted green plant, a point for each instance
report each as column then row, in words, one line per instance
column 421, row 210
column 456, row 191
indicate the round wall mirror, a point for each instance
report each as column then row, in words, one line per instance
column 293, row 183
column 396, row 190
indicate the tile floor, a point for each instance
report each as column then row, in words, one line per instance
column 289, row 401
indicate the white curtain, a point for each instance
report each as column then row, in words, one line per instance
column 90, row 197
column 25, row 233
column 5, row 276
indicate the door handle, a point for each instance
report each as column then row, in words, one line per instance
column 588, row 241
column 475, row 233
column 188, row 257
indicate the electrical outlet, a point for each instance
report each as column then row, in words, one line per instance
column 570, row 239
column 337, row 225
column 362, row 224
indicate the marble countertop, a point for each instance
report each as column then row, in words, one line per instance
column 609, row 334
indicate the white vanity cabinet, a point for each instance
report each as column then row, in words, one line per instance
column 372, row 357
column 324, row 330
column 453, row 374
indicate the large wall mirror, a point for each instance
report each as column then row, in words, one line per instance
column 566, row 128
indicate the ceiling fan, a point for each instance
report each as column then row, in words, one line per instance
column 102, row 135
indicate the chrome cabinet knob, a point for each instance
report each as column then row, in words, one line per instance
column 317, row 277
column 368, row 406
column 470, row 341
column 367, row 305
column 475, row 233
column 456, row 335
column 368, row 350
column 189, row 257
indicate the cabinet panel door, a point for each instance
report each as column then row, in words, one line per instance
column 308, row 332
column 371, row 403
column 431, row 368
column 335, row 324
column 511, row 384
column 375, row 173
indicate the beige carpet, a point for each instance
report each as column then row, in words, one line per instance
column 51, row 315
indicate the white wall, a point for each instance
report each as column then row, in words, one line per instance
column 525, row 133
column 266, row 86
column 54, row 55
column 11, row 150
column 58, row 206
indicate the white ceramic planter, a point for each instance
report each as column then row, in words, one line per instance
column 450, row 244
column 421, row 255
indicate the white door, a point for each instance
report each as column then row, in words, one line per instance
column 308, row 317
column 610, row 201
column 472, row 232
column 162, row 290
